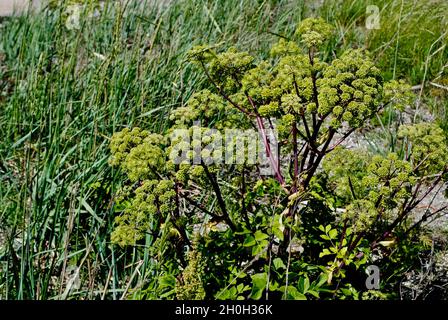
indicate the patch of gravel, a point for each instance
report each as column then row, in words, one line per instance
column 428, row 283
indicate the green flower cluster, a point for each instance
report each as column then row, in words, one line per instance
column 285, row 48
column 427, row 145
column 314, row 31
column 350, row 89
column 388, row 180
column 360, row 215
column 399, row 94
column 369, row 184
column 345, row 169
column 229, row 67
column 190, row 285
column 356, row 175
column 151, row 202
column 196, row 144
column 257, row 82
column 202, row 106
column 294, row 77
column 138, row 153
column 200, row 54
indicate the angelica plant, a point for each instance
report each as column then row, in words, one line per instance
column 180, row 188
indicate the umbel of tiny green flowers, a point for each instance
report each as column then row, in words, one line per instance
column 295, row 86
column 314, row 31
column 202, row 106
column 385, row 180
column 190, row 285
column 399, row 94
column 388, row 180
column 137, row 152
column 350, row 89
column 427, row 146
column 151, row 202
column 345, row 169
column 360, row 214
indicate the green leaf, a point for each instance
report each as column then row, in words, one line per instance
column 292, row 293
column 259, row 248
column 245, row 231
column 260, row 235
column 278, row 264
column 259, row 282
column 168, row 294
column 333, row 234
column 278, row 227
column 273, row 286
column 324, row 253
column 304, row 284
column 255, row 250
column 321, row 280
column 249, row 241
column 167, row 281
column 223, row 295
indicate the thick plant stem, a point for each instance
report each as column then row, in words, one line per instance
column 219, row 197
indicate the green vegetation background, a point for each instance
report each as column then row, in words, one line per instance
column 64, row 92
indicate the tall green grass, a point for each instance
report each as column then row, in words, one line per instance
column 69, row 90
column 411, row 41
column 64, row 92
